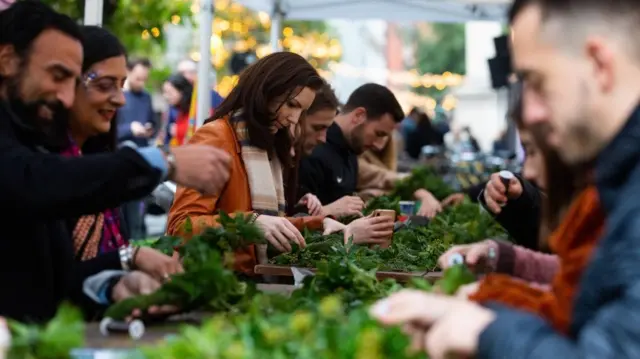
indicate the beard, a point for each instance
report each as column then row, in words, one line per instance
column 356, row 140
column 581, row 143
column 48, row 131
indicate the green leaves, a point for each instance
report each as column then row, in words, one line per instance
column 208, row 282
column 329, row 321
column 422, row 178
column 53, row 341
column 412, row 249
column 326, row 330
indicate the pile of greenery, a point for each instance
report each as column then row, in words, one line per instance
column 414, row 248
column 328, row 326
column 55, row 340
column 208, row 281
column 331, row 306
column 422, row 178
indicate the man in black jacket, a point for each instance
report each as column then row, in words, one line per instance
column 331, row 172
column 40, row 62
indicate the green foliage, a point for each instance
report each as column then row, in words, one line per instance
column 330, row 318
column 55, row 340
column 441, row 52
column 208, row 281
column 422, row 178
column 323, row 325
column 133, row 17
column 415, row 248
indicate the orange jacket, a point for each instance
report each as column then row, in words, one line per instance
column 235, row 197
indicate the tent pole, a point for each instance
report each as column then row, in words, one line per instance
column 277, row 17
column 93, row 12
column 204, row 65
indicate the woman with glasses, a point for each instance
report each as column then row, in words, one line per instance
column 100, row 238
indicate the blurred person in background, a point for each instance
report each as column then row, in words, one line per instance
column 177, row 91
column 136, row 119
column 409, row 123
column 424, row 135
column 189, row 69
column 382, row 156
column 136, row 124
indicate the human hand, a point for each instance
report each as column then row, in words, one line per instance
column 139, row 283
column 494, row 193
column 370, row 230
column 156, row 264
column 312, row 203
column 345, row 206
column 453, row 200
column 457, row 332
column 476, row 255
column 466, row 290
column 280, row 232
column 138, row 129
column 173, row 130
column 332, row 226
column 429, row 205
column 148, row 128
column 201, row 167
column 410, row 306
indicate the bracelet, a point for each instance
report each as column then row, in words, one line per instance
column 135, row 257
column 126, row 256
column 254, row 217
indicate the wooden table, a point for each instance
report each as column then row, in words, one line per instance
column 285, row 271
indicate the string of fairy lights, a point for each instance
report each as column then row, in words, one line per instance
column 240, row 31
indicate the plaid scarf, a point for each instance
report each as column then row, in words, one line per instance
column 264, row 174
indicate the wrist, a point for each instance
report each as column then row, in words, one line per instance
column 111, row 293
column 170, row 160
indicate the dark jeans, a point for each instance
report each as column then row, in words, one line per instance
column 134, row 218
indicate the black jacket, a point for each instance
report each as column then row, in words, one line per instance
column 331, row 171
column 41, row 191
column 521, row 217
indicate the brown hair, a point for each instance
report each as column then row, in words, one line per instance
column 564, row 183
column 279, row 75
column 325, row 99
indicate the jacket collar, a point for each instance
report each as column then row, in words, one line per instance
column 336, row 138
column 618, row 160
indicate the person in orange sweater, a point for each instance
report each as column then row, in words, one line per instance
column 253, row 126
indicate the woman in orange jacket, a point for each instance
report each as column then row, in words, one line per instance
column 252, row 125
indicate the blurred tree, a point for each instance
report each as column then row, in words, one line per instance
column 138, row 24
column 440, row 50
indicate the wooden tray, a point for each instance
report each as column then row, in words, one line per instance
column 285, row 271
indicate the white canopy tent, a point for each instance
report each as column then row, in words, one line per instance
column 391, row 10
